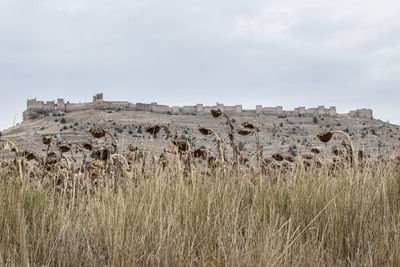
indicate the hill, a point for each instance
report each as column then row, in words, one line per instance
column 279, row 131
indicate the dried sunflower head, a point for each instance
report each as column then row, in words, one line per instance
column 337, row 152
column 211, row 162
column 87, row 146
column 29, row 155
column 46, row 140
column 97, row 133
column 216, row 113
column 103, row 154
column 307, row 156
column 325, row 137
column 248, row 125
column 198, row 153
column 205, row 131
column 290, row 159
column 132, row 148
column 267, row 161
column 64, row 148
column 153, row 129
column 278, row 157
column 244, row 132
column 183, row 146
column 315, row 151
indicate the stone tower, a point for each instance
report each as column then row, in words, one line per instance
column 98, row 100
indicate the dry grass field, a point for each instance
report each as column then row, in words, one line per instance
column 190, row 207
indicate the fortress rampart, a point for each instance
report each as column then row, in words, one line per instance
column 39, row 109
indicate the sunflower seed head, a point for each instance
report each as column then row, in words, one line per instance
column 87, row 146
column 29, row 155
column 277, row 157
column 97, row 133
column 315, row 150
column 216, row 113
column 198, row 153
column 153, row 129
column 205, row 131
column 248, row 125
column 64, row 148
column 46, row 140
column 244, row 132
column 325, row 137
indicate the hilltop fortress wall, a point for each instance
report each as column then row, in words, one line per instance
column 39, row 109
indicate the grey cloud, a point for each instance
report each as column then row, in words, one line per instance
column 185, row 52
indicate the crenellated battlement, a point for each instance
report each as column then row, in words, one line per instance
column 39, row 109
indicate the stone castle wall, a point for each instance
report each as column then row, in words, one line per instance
column 38, row 109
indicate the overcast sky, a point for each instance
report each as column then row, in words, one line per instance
column 290, row 53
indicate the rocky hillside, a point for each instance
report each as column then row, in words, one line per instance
column 287, row 135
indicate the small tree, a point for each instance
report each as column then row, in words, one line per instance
column 63, row 120
column 293, row 150
column 315, row 120
column 241, row 146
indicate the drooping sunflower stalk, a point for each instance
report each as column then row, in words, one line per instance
column 235, row 151
column 327, row 136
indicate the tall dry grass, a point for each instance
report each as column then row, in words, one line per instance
column 305, row 216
